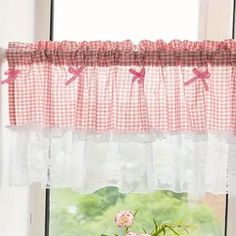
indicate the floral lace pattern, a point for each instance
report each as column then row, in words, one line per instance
column 171, row 162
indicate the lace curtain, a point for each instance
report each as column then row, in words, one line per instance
column 140, row 117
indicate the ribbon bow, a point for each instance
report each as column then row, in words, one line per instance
column 199, row 75
column 139, row 76
column 12, row 74
column 76, row 73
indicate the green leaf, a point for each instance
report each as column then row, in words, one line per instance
column 159, row 230
column 136, row 212
column 144, row 231
column 155, row 223
column 170, row 228
column 164, row 229
column 186, row 230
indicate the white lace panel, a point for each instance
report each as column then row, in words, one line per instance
column 172, row 162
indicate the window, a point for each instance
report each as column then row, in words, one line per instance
column 72, row 213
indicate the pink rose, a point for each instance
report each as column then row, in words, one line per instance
column 131, row 234
column 135, row 234
column 124, row 219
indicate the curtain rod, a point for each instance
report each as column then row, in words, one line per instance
column 2, row 54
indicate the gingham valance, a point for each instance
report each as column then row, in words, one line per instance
column 140, row 117
column 98, row 87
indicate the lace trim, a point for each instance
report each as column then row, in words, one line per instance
column 147, row 137
column 60, row 159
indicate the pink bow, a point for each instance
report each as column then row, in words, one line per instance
column 76, row 73
column 12, row 74
column 199, row 75
column 138, row 75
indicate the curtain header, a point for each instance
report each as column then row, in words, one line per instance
column 107, row 53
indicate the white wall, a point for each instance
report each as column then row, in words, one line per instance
column 16, row 24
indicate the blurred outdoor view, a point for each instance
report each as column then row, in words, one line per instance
column 74, row 214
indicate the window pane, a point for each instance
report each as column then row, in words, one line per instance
column 119, row 20
column 76, row 214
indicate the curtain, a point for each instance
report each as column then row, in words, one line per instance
column 140, row 117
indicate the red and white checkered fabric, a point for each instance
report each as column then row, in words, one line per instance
column 105, row 96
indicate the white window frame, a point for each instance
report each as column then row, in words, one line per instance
column 210, row 12
column 37, row 194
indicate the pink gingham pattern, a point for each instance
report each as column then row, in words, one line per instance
column 100, row 98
